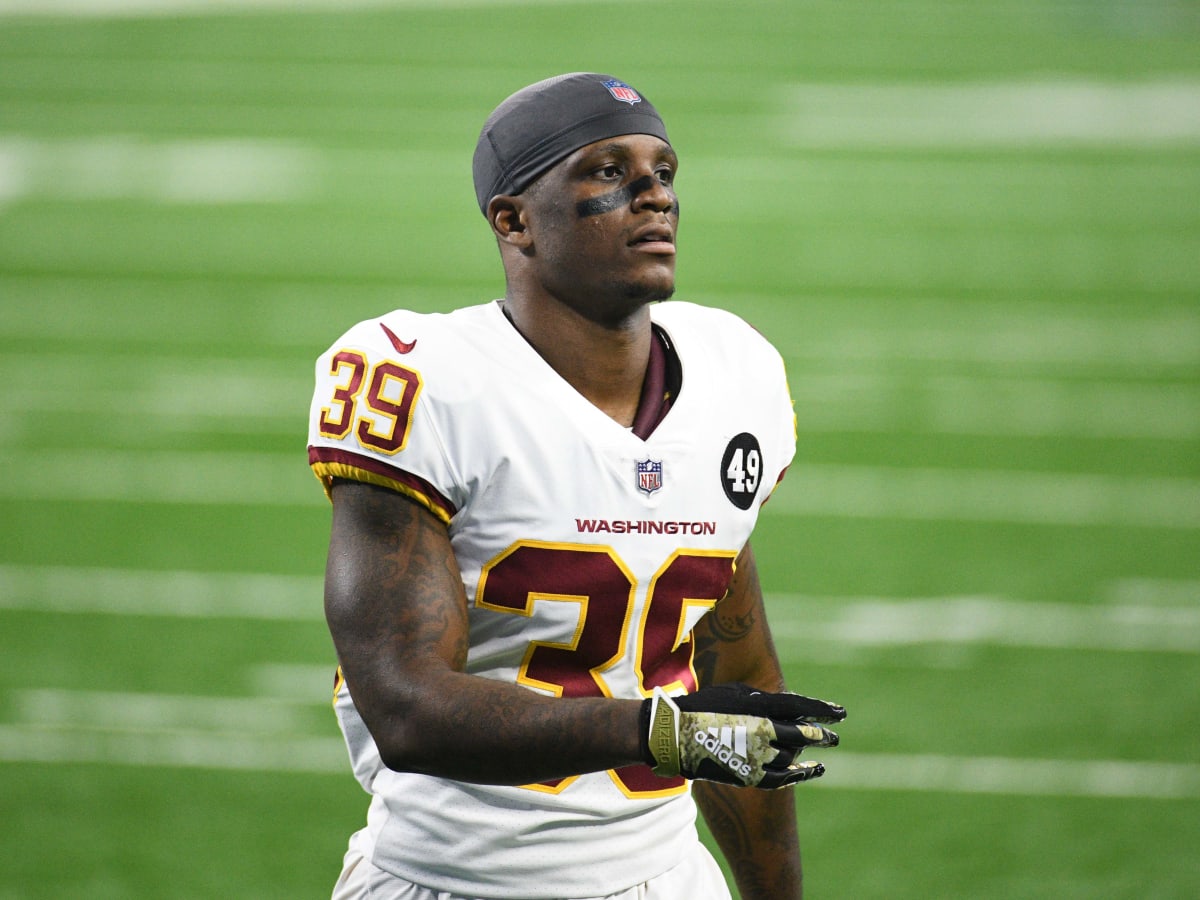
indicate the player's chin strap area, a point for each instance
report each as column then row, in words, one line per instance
column 737, row 735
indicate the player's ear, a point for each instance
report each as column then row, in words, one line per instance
column 509, row 220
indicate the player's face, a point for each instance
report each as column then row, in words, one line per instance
column 604, row 222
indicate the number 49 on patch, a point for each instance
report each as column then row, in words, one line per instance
column 741, row 470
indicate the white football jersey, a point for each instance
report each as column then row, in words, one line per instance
column 588, row 555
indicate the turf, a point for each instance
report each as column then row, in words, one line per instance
column 988, row 545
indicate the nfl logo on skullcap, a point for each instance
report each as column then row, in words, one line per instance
column 649, row 475
column 622, row 92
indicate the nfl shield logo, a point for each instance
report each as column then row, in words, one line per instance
column 623, row 92
column 649, row 475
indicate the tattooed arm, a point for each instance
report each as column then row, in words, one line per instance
column 756, row 830
column 396, row 609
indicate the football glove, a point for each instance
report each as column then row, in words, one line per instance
column 734, row 734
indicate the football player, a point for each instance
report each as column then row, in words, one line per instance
column 550, row 632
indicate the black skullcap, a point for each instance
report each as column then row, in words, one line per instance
column 545, row 122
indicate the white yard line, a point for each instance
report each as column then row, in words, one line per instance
column 1006, row 775
column 174, row 594
column 221, row 395
column 1008, row 339
column 278, row 753
column 193, row 171
column 149, row 8
column 969, row 495
column 1115, row 779
column 137, row 712
column 1003, row 114
column 173, row 730
column 175, row 394
column 163, row 395
column 874, row 492
column 233, row 479
column 958, row 404
column 897, row 621
column 1133, row 615
column 1012, row 336
column 1150, row 592
column 297, row 682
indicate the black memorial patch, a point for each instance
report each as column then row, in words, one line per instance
column 742, row 470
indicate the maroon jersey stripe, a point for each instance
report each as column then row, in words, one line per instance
column 329, row 463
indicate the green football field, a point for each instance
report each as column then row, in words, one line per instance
column 972, row 229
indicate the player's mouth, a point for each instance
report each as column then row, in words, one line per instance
column 655, row 238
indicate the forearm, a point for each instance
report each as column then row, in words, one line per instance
column 756, row 831
column 469, row 728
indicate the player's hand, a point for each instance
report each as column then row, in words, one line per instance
column 734, row 734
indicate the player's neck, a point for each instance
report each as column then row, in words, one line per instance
column 605, row 364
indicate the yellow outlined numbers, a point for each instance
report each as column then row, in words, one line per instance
column 596, row 579
column 390, row 397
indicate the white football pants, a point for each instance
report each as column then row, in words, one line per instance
column 698, row 877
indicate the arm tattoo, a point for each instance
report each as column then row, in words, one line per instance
column 397, row 551
column 707, row 642
column 733, row 627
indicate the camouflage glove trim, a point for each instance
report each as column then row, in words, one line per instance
column 736, row 735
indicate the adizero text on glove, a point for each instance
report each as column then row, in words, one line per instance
column 734, row 734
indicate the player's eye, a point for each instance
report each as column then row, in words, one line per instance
column 612, row 170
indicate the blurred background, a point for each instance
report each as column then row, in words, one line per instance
column 972, row 228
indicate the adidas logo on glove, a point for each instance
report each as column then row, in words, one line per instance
column 727, row 745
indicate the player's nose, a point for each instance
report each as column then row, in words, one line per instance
column 650, row 192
